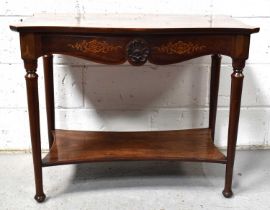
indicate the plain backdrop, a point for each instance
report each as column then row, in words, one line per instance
column 92, row 96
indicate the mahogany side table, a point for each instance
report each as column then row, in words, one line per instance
column 115, row 39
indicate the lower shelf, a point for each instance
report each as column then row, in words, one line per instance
column 91, row 146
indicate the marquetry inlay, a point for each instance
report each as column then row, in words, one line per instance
column 94, row 46
column 179, row 48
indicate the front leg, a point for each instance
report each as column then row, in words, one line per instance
column 235, row 102
column 33, row 110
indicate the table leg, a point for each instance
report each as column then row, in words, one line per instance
column 214, row 86
column 49, row 92
column 235, row 102
column 33, row 110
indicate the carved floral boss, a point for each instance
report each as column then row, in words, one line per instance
column 137, row 50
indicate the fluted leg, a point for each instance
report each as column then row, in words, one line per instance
column 33, row 110
column 214, row 86
column 235, row 102
column 49, row 92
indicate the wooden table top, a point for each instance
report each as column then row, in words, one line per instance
column 130, row 23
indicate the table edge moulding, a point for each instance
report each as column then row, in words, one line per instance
column 136, row 39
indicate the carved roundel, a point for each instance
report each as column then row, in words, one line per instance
column 137, row 52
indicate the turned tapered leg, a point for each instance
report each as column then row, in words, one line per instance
column 49, row 93
column 33, row 109
column 214, row 86
column 235, row 102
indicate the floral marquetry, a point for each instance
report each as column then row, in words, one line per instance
column 180, row 48
column 94, row 46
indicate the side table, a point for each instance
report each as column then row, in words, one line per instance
column 115, row 39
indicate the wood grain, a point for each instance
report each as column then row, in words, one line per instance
column 87, row 146
column 131, row 23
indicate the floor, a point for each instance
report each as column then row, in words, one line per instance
column 142, row 185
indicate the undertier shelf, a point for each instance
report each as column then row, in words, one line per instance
column 93, row 146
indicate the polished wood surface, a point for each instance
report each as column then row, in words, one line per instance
column 87, row 146
column 235, row 102
column 214, row 86
column 136, row 39
column 161, row 49
column 49, row 94
column 31, row 78
column 134, row 23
